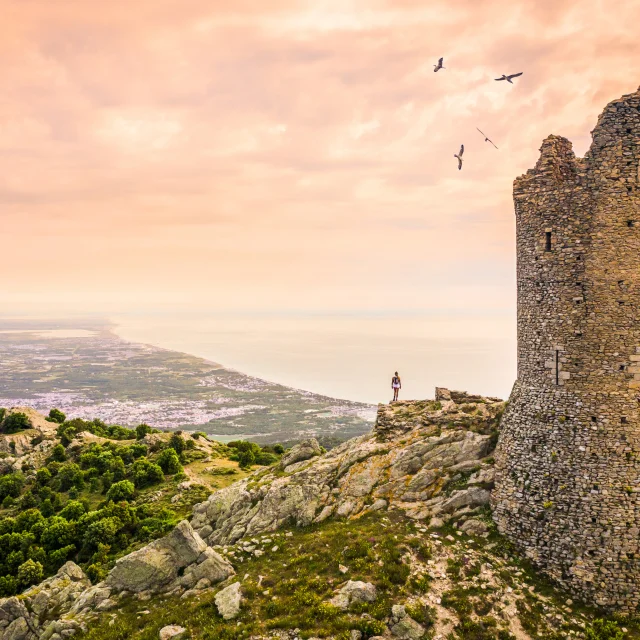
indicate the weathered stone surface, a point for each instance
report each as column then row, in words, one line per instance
column 396, row 465
column 303, row 451
column 228, row 601
column 171, row 631
column 403, row 626
column 566, row 472
column 474, row 527
column 354, row 592
column 156, row 566
column 26, row 617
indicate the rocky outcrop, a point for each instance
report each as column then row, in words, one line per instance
column 354, row 592
column 423, row 457
column 30, row 616
column 178, row 561
column 303, row 451
column 58, row 607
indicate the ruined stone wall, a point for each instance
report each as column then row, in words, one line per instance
column 568, row 461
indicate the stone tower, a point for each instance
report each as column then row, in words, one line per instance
column 568, row 459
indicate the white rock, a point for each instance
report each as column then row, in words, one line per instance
column 171, row 631
column 228, row 601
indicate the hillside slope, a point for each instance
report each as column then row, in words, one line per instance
column 389, row 534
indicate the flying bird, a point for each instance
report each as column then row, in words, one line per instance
column 459, row 156
column 437, row 67
column 486, row 139
column 508, row 78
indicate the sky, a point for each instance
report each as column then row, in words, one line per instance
column 283, row 156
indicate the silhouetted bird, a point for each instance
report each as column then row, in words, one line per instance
column 437, row 67
column 508, row 78
column 459, row 156
column 486, row 139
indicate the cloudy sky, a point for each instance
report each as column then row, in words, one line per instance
column 283, row 155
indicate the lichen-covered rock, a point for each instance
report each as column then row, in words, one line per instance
column 171, row 631
column 29, row 616
column 416, row 449
column 228, row 601
column 354, row 592
column 158, row 566
column 302, row 451
column 403, row 626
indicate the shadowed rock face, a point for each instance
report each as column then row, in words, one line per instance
column 407, row 462
column 566, row 471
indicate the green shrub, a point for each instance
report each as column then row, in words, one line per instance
column 122, row 490
column 278, row 448
column 11, row 485
column 144, row 473
column 58, row 453
column 55, row 415
column 604, row 630
column 29, row 573
column 15, row 422
column 142, row 430
column 169, row 461
column 73, row 510
column 176, row 442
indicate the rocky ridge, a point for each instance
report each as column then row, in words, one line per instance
column 411, row 461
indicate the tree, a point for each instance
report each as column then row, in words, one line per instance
column 246, row 459
column 142, row 430
column 15, row 422
column 123, row 490
column 278, row 448
column 73, row 510
column 29, row 573
column 11, row 485
column 55, row 415
column 176, row 442
column 70, row 475
column 169, row 461
column 58, row 453
column 144, row 473
column 43, row 476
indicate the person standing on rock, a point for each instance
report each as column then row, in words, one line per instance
column 396, row 385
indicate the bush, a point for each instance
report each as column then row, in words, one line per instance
column 29, row 573
column 169, row 461
column 55, row 415
column 73, row 510
column 604, row 630
column 58, row 453
column 123, row 490
column 11, row 485
column 246, row 459
column 278, row 448
column 15, row 422
column 145, row 473
column 176, row 442
column 103, row 531
column 265, row 459
column 142, row 430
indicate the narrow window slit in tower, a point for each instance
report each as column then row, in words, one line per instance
column 622, row 367
column 621, row 302
column 579, row 258
column 623, row 420
column 557, row 367
column 547, row 246
column 631, row 223
column 594, row 419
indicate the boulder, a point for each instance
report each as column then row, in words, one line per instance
column 171, row 631
column 228, row 601
column 404, row 626
column 158, row 565
column 474, row 527
column 354, row 592
column 303, row 451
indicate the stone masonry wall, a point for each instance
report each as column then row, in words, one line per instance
column 568, row 460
